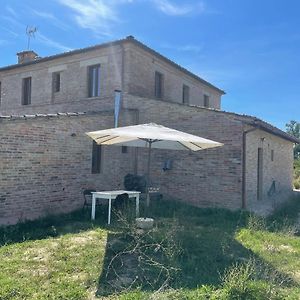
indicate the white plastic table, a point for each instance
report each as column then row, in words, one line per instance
column 110, row 195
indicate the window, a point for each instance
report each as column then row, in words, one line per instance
column 206, row 101
column 272, row 155
column 26, row 91
column 94, row 81
column 56, row 82
column 158, row 85
column 96, row 158
column 124, row 149
column 185, row 94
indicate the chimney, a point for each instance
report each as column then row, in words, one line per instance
column 27, row 56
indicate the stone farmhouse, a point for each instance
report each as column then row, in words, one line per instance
column 47, row 104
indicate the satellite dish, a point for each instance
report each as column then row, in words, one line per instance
column 30, row 32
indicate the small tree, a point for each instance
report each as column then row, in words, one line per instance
column 293, row 128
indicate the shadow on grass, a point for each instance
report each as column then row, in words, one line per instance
column 202, row 246
column 206, row 243
column 52, row 226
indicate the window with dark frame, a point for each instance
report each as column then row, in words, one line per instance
column 96, row 158
column 26, row 91
column 56, row 82
column 158, row 85
column 206, row 101
column 124, row 149
column 94, row 81
column 185, row 94
column 272, row 155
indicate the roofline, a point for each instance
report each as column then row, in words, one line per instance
column 148, row 49
column 129, row 39
column 257, row 123
column 246, row 119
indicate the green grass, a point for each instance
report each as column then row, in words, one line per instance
column 192, row 253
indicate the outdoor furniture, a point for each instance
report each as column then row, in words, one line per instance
column 87, row 195
column 151, row 136
column 111, row 195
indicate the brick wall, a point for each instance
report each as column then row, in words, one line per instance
column 279, row 170
column 204, row 178
column 44, row 167
column 74, row 83
column 141, row 66
column 132, row 71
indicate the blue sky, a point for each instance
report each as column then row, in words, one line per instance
column 249, row 48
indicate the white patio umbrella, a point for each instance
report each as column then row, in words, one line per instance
column 151, row 136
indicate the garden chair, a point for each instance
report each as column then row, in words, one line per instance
column 87, row 195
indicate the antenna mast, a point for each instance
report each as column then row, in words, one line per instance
column 30, row 31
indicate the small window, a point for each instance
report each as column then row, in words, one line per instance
column 124, row 149
column 206, row 101
column 96, row 158
column 94, row 81
column 272, row 155
column 0, row 93
column 158, row 85
column 56, row 82
column 26, row 91
column 185, row 94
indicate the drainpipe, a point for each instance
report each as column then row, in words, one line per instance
column 244, row 166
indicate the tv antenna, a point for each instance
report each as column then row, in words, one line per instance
column 30, row 31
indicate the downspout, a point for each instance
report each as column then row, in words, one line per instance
column 244, row 166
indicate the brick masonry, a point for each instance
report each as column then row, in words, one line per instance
column 125, row 67
column 45, row 162
column 44, row 167
column 279, row 170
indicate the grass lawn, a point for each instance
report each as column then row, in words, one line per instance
column 191, row 253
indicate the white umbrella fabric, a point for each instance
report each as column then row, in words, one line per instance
column 151, row 136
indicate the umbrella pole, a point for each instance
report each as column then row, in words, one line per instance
column 148, row 174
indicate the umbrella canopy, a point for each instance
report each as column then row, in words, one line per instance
column 151, row 136
column 158, row 136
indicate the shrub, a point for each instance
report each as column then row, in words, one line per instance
column 297, row 183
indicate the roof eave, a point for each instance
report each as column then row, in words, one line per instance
column 259, row 124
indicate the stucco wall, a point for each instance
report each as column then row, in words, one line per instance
column 278, row 170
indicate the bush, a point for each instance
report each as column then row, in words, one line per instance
column 297, row 183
